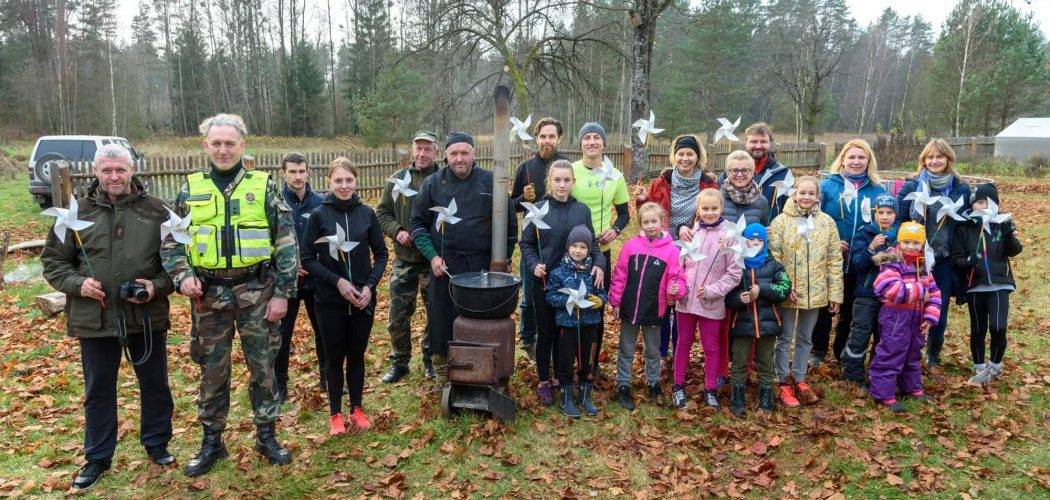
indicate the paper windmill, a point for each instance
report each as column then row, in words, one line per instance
column 930, row 258
column 922, row 197
column 520, row 129
column 446, row 214
column 535, row 215
column 726, row 130
column 742, row 251
column 402, row 186
column 865, row 210
column 690, row 250
column 337, row 243
column 950, row 208
column 66, row 218
column 177, row 227
column 988, row 216
column 646, row 127
column 607, row 172
column 785, row 187
column 804, row 226
column 849, row 193
column 577, row 297
column 736, row 231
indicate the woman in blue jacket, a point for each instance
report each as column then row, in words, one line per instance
column 854, row 177
column 937, row 172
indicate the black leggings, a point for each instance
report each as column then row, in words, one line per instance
column 576, row 345
column 345, row 338
column 546, row 331
column 988, row 311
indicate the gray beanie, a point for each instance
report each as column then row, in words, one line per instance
column 580, row 234
column 593, row 128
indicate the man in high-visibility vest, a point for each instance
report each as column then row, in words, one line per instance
column 239, row 270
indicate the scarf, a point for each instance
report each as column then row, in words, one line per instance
column 758, row 260
column 912, row 258
column 943, row 183
column 704, row 225
column 683, row 198
column 890, row 234
column 761, row 165
column 580, row 267
column 857, row 180
column 745, row 197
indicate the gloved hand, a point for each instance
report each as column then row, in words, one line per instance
column 596, row 300
column 975, row 259
column 529, row 193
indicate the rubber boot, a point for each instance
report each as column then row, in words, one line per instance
column 736, row 405
column 212, row 450
column 586, row 392
column 933, row 353
column 567, row 405
column 440, row 362
column 266, row 444
column 765, row 398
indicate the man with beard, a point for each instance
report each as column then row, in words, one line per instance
column 530, row 186
column 758, row 140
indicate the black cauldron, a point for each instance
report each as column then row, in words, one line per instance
column 485, row 295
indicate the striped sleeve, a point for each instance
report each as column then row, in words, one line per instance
column 932, row 310
column 891, row 287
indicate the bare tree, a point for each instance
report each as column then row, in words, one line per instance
column 644, row 14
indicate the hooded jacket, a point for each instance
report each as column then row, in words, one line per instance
column 122, row 245
column 968, row 253
column 717, row 274
column 847, row 216
column 939, row 238
column 762, row 317
column 642, row 279
column 814, row 264
column 899, row 286
column 861, row 257
column 360, row 224
column 569, row 275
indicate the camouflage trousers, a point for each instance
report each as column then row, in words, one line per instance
column 406, row 280
column 211, row 343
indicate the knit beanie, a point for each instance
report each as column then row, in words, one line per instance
column 755, row 230
column 912, row 231
column 593, row 128
column 457, row 137
column 687, row 142
column 886, row 200
column 579, row 234
column 985, row 192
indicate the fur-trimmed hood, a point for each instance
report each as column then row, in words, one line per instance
column 886, row 257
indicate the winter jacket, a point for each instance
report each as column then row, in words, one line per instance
column 860, row 256
column 717, row 274
column 532, row 171
column 755, row 212
column 569, row 275
column 301, row 210
column 847, row 216
column 773, row 171
column 360, row 224
column 397, row 216
column 642, row 279
column 898, row 286
column 122, row 245
column 562, row 216
column 815, row 264
column 939, row 239
column 968, row 253
column 660, row 189
column 762, row 317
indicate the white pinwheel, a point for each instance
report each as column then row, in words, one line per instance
column 921, row 197
column 520, row 128
column 848, row 194
column 784, row 187
column 736, row 231
column 726, row 130
column 865, row 210
column 930, row 258
column 804, row 226
column 646, row 127
column 66, row 218
column 690, row 250
column 446, row 214
column 577, row 297
column 534, row 215
column 989, row 216
column 741, row 251
column 177, row 227
column 950, row 208
column 607, row 172
column 402, row 186
column 337, row 243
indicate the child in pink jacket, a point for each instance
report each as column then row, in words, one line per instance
column 709, row 280
column 646, row 279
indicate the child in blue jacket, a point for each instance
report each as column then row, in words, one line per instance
column 578, row 328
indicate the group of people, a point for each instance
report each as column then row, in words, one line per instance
column 751, row 263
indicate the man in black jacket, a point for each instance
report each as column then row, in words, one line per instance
column 530, row 186
column 116, row 294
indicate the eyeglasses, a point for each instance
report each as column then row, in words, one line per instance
column 739, row 172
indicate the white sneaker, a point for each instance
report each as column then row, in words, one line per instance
column 995, row 370
column 982, row 378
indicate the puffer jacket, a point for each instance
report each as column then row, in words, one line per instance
column 122, row 245
column 815, row 264
column 899, row 286
column 939, row 238
column 717, row 274
column 760, row 318
column 861, row 256
column 569, row 275
column 847, row 216
column 642, row 279
column 757, row 212
column 969, row 254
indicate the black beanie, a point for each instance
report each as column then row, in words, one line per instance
column 985, row 192
column 457, row 137
column 687, row 141
column 579, row 234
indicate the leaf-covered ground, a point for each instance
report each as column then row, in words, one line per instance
column 971, row 443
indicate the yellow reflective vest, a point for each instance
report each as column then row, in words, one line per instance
column 239, row 223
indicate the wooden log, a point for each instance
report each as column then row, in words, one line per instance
column 51, row 303
column 3, row 255
column 24, row 245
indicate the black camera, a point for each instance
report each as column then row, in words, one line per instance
column 133, row 290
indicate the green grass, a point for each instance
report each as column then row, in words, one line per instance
column 844, row 444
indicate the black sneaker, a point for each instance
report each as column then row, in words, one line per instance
column 711, row 398
column 678, row 396
column 89, row 474
column 623, row 396
column 894, row 406
column 159, row 455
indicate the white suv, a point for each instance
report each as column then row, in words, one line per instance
column 75, row 149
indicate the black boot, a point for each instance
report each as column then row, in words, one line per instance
column 736, row 405
column 765, row 398
column 212, row 450
column 933, row 353
column 566, row 404
column 586, row 393
column 428, row 368
column 266, row 444
column 282, row 389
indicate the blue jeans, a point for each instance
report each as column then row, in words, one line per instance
column 528, row 311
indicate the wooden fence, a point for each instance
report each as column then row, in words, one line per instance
column 903, row 152
column 164, row 176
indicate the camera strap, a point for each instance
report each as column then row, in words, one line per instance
column 122, row 336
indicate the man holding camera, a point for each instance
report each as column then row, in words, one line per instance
column 116, row 299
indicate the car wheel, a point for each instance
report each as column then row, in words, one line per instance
column 45, row 163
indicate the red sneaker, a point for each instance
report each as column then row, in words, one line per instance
column 787, row 396
column 805, row 394
column 335, row 424
column 359, row 419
